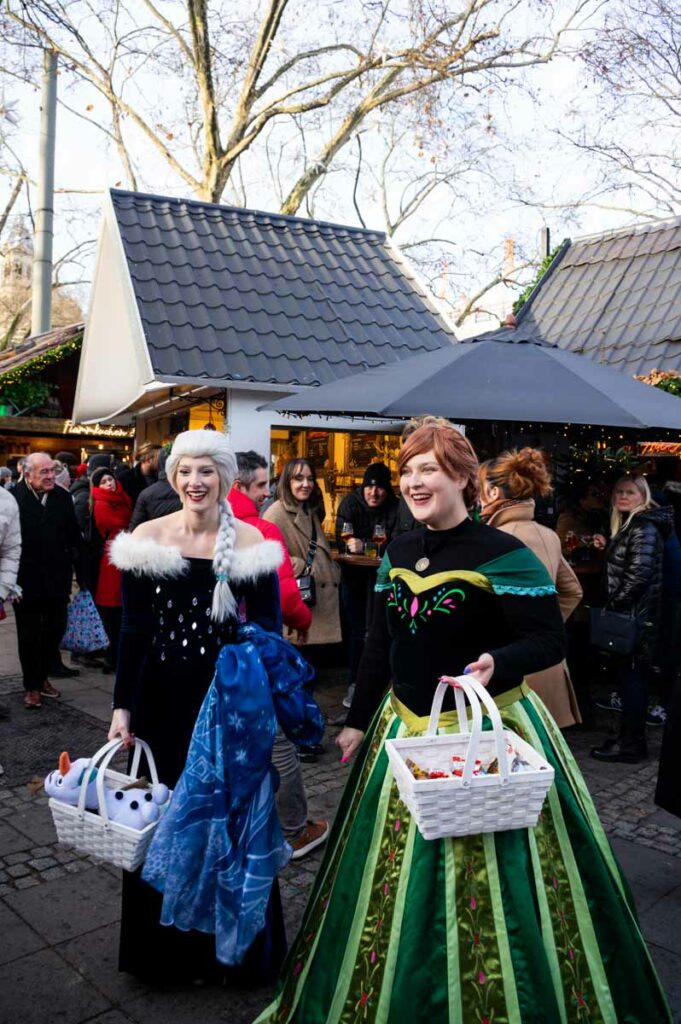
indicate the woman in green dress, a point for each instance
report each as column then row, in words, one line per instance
column 530, row 926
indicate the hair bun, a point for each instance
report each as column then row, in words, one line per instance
column 521, row 474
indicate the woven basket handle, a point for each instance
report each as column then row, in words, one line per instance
column 476, row 694
column 101, row 760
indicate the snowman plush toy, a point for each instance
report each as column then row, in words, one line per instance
column 135, row 805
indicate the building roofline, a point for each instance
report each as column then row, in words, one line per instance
column 643, row 228
column 239, row 210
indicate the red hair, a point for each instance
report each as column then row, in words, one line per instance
column 454, row 455
column 518, row 474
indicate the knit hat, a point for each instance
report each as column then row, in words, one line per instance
column 95, row 461
column 99, row 474
column 377, row 474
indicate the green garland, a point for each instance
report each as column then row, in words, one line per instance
column 33, row 367
column 543, row 267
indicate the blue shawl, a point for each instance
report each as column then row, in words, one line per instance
column 219, row 846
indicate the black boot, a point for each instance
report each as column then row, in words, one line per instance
column 621, row 749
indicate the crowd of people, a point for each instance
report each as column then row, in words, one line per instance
column 188, row 548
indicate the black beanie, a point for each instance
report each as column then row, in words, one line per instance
column 377, row 473
column 97, row 461
column 100, row 472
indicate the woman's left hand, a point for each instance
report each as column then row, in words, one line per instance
column 482, row 669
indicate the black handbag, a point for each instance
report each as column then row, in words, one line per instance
column 616, row 632
column 306, row 583
column 306, row 586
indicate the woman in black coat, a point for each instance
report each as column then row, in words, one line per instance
column 633, row 578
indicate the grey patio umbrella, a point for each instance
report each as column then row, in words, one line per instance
column 495, row 380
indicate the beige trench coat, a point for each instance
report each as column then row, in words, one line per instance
column 295, row 525
column 553, row 685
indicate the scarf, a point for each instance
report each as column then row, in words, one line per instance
column 496, row 506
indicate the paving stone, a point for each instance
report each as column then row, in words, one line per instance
column 42, row 851
column 42, row 863
column 35, row 821
column 52, row 874
column 217, row 1005
column 95, row 954
column 668, row 966
column 29, row 882
column 70, row 906
column 660, row 922
column 17, row 858
column 18, row 870
column 11, row 840
column 61, row 995
column 5, row 890
column 18, row 938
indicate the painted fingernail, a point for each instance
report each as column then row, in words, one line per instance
column 467, row 671
column 343, row 760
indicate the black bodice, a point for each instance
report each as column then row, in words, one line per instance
column 183, row 630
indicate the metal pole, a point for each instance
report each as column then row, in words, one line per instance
column 41, row 312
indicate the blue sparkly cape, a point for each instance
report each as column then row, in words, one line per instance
column 219, row 846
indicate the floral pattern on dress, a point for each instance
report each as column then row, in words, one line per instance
column 415, row 609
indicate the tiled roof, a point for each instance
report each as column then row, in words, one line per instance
column 614, row 297
column 38, row 345
column 233, row 294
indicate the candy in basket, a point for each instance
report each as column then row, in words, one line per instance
column 472, row 781
column 105, row 813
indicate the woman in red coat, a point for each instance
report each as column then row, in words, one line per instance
column 111, row 512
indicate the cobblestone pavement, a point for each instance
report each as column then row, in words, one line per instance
column 59, row 910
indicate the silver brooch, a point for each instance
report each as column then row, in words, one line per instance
column 422, row 564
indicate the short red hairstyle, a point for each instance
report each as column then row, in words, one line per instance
column 453, row 453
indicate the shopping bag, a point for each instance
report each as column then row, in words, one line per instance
column 84, row 629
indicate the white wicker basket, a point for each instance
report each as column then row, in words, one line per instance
column 470, row 804
column 93, row 833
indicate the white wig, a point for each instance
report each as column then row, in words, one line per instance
column 196, row 444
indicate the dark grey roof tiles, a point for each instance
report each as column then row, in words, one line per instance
column 232, row 294
column 615, row 298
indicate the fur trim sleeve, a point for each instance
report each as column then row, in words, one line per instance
column 146, row 557
column 258, row 560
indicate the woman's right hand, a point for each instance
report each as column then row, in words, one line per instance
column 348, row 740
column 120, row 726
column 598, row 541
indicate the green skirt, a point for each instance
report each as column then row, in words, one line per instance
column 531, row 926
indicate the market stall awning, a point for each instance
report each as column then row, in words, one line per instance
column 496, row 380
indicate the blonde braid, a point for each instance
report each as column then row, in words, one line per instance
column 224, row 604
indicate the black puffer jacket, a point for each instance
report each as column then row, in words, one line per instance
column 633, row 572
column 157, row 500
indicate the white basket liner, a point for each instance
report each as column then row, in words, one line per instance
column 469, row 804
column 93, row 833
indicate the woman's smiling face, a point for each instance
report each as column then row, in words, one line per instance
column 435, row 499
column 302, row 483
column 198, row 483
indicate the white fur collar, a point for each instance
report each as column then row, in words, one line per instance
column 258, row 560
column 146, row 557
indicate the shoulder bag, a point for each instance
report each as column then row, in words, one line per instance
column 616, row 632
column 305, row 581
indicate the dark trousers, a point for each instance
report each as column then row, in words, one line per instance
column 111, row 620
column 40, row 628
column 632, row 684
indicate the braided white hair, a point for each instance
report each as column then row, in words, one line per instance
column 224, row 604
column 210, row 443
